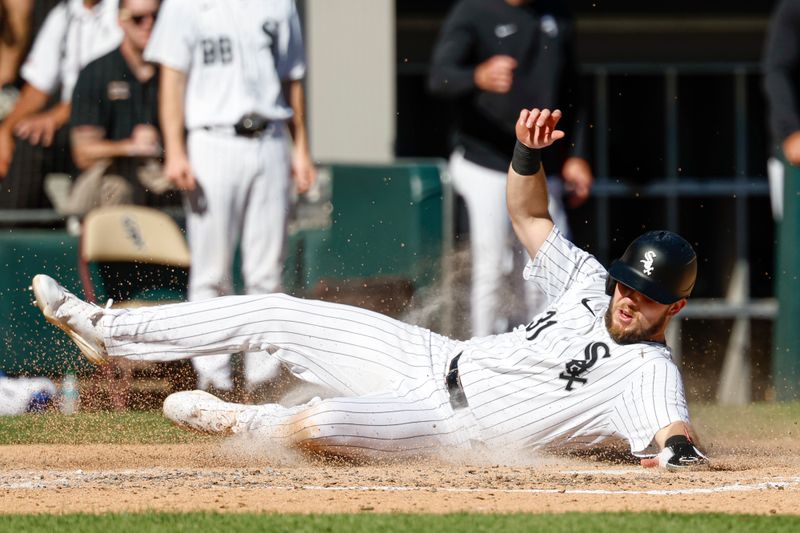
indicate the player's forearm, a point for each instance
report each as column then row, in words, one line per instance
column 526, row 196
column 451, row 80
column 31, row 100
column 452, row 74
column 60, row 113
column 11, row 59
column 297, row 124
column 87, row 153
column 527, row 200
column 171, row 111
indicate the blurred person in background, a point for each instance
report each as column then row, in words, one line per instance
column 22, row 394
column 33, row 138
column 492, row 58
column 115, row 136
column 231, row 75
column 14, row 36
column 781, row 66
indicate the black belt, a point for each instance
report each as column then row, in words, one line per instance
column 458, row 399
column 229, row 130
column 250, row 125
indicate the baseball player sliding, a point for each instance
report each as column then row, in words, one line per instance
column 593, row 365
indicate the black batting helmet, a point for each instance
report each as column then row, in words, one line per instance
column 659, row 264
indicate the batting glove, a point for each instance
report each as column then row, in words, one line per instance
column 680, row 454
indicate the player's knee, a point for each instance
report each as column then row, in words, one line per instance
column 323, row 430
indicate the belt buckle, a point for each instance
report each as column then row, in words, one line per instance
column 252, row 125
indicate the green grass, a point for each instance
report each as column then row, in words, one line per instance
column 457, row 523
column 133, row 427
column 761, row 421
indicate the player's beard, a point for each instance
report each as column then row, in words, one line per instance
column 633, row 335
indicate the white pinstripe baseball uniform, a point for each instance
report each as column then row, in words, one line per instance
column 559, row 379
column 236, row 55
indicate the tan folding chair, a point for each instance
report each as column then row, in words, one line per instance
column 140, row 257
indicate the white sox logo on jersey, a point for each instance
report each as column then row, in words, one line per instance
column 270, row 29
column 576, row 367
column 649, row 256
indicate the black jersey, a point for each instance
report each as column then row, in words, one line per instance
column 539, row 36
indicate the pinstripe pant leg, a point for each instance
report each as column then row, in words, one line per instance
column 415, row 419
column 346, row 349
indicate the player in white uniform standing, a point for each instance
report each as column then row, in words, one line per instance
column 231, row 73
column 587, row 368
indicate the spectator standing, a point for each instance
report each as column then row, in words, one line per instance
column 781, row 65
column 115, row 136
column 231, row 75
column 33, row 140
column 492, row 58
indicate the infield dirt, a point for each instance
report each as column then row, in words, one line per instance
column 753, row 477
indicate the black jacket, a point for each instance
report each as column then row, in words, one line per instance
column 539, row 35
column 782, row 70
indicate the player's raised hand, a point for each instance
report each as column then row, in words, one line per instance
column 179, row 171
column 536, row 128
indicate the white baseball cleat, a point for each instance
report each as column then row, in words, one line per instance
column 203, row 412
column 76, row 318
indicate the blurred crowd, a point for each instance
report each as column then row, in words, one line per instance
column 74, row 137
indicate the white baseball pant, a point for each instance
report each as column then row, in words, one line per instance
column 775, row 172
column 389, row 375
column 242, row 198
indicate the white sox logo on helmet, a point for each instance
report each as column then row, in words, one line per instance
column 649, row 256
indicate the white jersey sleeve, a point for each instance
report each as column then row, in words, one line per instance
column 173, row 39
column 42, row 67
column 652, row 400
column 291, row 63
column 71, row 37
column 560, row 265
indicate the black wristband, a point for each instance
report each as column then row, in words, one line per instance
column 678, row 444
column 676, row 441
column 526, row 161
